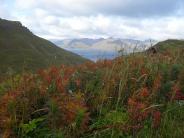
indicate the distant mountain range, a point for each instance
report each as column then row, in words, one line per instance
column 104, row 48
column 21, row 50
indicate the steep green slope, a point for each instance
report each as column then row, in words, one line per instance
column 20, row 48
column 169, row 45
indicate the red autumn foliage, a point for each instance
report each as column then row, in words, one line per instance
column 71, row 104
column 136, row 110
column 156, row 119
column 5, row 118
column 69, row 108
column 144, row 70
column 176, row 93
column 144, row 93
column 157, row 83
column 139, row 109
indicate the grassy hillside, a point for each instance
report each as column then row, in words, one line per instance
column 21, row 49
column 169, row 45
column 135, row 96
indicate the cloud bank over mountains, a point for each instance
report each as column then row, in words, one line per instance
column 58, row 19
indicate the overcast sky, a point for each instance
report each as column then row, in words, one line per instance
column 135, row 19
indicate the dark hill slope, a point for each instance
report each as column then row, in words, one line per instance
column 20, row 48
column 171, row 45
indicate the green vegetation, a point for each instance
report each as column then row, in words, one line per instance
column 21, row 50
column 169, row 45
column 136, row 96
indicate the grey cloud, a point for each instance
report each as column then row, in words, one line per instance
column 104, row 26
column 141, row 8
column 139, row 19
column 126, row 8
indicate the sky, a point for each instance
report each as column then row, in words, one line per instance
column 66, row 19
